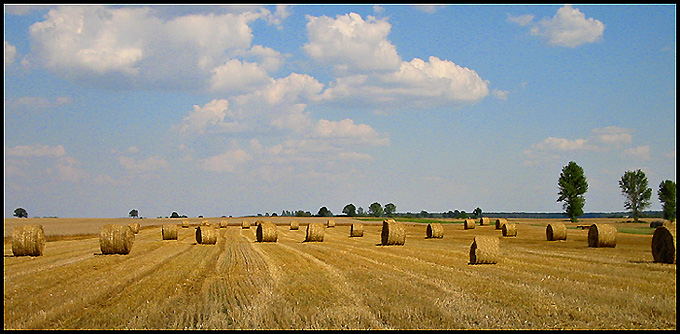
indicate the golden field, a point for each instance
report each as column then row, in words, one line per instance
column 342, row 282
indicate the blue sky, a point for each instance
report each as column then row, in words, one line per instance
column 239, row 110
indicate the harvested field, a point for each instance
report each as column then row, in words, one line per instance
column 340, row 283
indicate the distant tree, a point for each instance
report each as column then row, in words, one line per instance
column 174, row 215
column 134, row 213
column 634, row 187
column 350, row 210
column 572, row 185
column 360, row 212
column 666, row 194
column 477, row 212
column 389, row 209
column 424, row 214
column 324, row 212
column 463, row 215
column 20, row 213
column 375, row 209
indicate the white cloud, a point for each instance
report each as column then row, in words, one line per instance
column 521, row 19
column 569, row 28
column 351, row 44
column 430, row 9
column 349, row 132
column 10, row 53
column 130, row 42
column 613, row 135
column 209, row 118
column 281, row 13
column 235, row 76
column 151, row 163
column 36, row 151
column 56, row 163
column 500, row 94
column 228, row 161
column 638, row 153
column 417, row 83
column 36, row 103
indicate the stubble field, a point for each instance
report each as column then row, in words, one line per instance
column 342, row 282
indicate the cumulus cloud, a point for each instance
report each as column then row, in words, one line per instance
column 235, row 76
column 10, row 53
column 226, row 162
column 417, row 83
column 613, row 135
column 351, row 44
column 20, row 161
column 569, row 27
column 132, row 43
column 209, row 118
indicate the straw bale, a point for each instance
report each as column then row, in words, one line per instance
column 484, row 221
column 509, row 230
column 116, row 239
column 206, row 235
column 469, row 224
column 185, row 224
column 330, row 223
column 393, row 233
column 294, row 225
column 602, row 235
column 245, row 224
column 356, row 230
column 224, row 223
column 135, row 227
column 169, row 232
column 663, row 245
column 266, row 232
column 484, row 250
column 500, row 222
column 435, row 230
column 315, row 232
column 556, row 231
column 28, row 240
column 205, row 223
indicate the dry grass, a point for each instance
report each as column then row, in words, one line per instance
column 343, row 282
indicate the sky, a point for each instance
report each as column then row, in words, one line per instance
column 239, row 110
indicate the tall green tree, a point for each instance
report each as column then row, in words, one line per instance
column 477, row 212
column 666, row 194
column 389, row 209
column 635, row 188
column 350, row 210
column 20, row 213
column 375, row 209
column 572, row 185
column 134, row 213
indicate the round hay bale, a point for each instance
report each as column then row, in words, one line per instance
column 602, row 235
column 663, row 245
column 330, row 223
column 135, row 227
column 169, row 232
column 315, row 232
column 356, row 230
column 484, row 221
column 245, row 224
column 657, row 223
column 224, row 224
column 469, row 224
column 266, row 232
column 185, row 224
column 556, row 231
column 116, row 239
column 500, row 222
column 435, row 230
column 206, row 235
column 509, row 230
column 205, row 223
column 28, row 240
column 484, row 250
column 294, row 225
column 393, row 233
